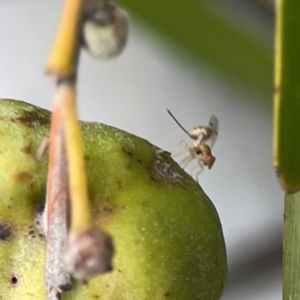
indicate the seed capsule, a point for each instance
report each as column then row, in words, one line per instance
column 104, row 30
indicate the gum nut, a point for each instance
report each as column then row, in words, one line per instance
column 166, row 232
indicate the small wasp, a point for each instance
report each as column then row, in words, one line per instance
column 205, row 137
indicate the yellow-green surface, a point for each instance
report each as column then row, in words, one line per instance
column 167, row 235
column 287, row 95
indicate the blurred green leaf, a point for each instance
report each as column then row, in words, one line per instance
column 194, row 26
column 287, row 95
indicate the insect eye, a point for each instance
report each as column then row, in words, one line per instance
column 206, row 155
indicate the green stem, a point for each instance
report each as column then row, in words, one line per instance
column 291, row 248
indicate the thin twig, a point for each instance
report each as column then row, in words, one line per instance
column 89, row 249
column 80, row 208
column 56, row 210
column 62, row 62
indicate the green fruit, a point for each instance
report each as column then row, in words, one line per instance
column 167, row 234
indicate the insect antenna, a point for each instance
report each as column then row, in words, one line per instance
column 178, row 122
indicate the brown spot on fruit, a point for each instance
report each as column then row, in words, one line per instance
column 127, row 151
column 5, row 230
column 13, row 280
column 39, row 220
column 104, row 208
column 119, row 184
column 26, row 149
column 65, row 287
column 167, row 294
column 161, row 170
column 21, row 176
column 32, row 118
column 130, row 155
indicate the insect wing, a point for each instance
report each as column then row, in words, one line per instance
column 214, row 125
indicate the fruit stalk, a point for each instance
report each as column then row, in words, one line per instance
column 81, row 214
column 62, row 64
column 56, row 210
column 83, row 237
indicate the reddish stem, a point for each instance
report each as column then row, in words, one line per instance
column 56, row 210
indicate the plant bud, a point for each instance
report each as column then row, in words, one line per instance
column 104, row 30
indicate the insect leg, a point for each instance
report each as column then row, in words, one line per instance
column 186, row 161
column 193, row 169
column 198, row 173
column 175, row 152
column 201, row 168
